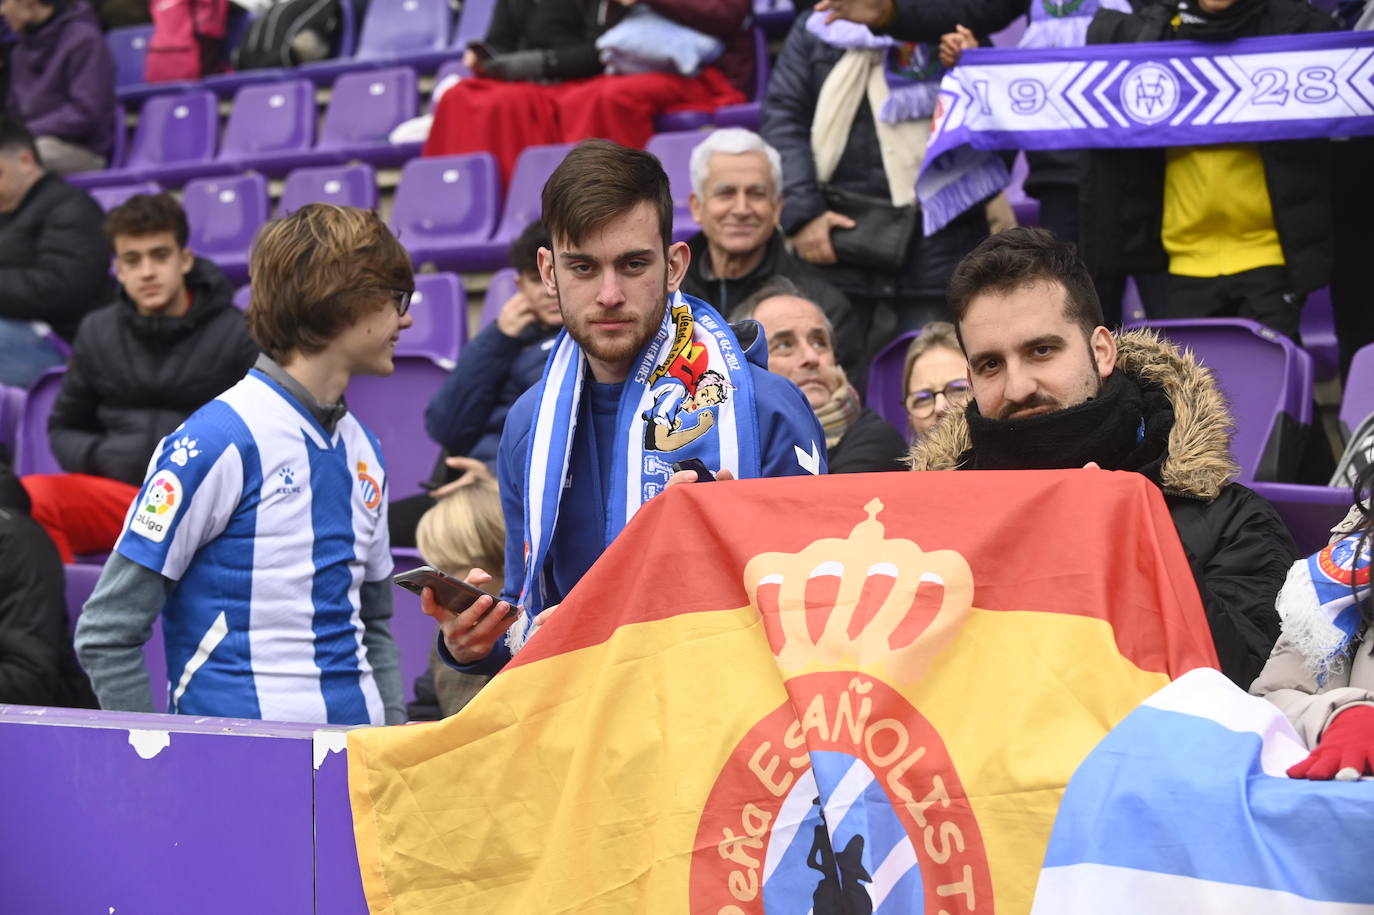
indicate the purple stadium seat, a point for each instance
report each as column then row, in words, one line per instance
column 242, row 296
column 674, row 150
column 129, row 46
column 175, row 140
column 499, row 291
column 1358, row 400
column 410, row 32
column 1010, row 37
column 532, row 168
column 227, row 84
column 885, row 394
column 271, row 127
column 1267, row 380
column 393, row 409
column 1027, row 209
column 225, row 214
column 32, row 453
column 130, row 49
column 362, row 111
column 445, row 206
column 749, row 114
column 413, row 630
column 1309, row 511
column 440, row 311
column 345, row 185
column 1318, row 332
column 112, row 196
column 474, row 21
column 774, row 16
column 81, row 579
column 11, row 407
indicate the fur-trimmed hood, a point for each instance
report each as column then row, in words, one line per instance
column 1199, row 462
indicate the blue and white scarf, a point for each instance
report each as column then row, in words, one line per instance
column 692, row 376
column 1320, row 608
column 1064, row 23
column 1170, row 93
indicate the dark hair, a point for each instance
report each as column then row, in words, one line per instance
column 1020, row 257
column 524, row 251
column 775, row 285
column 15, row 137
column 600, row 180
column 146, row 214
column 317, row 272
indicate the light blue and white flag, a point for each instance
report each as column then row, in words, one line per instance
column 1185, row 807
column 1171, row 93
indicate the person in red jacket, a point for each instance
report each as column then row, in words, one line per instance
column 540, row 78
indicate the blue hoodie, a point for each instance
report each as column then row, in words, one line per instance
column 787, row 426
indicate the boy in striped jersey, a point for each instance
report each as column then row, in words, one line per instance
column 260, row 532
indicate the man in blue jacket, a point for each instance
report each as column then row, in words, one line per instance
column 643, row 378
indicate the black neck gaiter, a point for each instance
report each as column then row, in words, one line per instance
column 1125, row 427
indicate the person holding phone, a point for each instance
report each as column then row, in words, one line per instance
column 260, row 533
column 641, row 378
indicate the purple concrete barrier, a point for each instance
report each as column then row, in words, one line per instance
column 116, row 812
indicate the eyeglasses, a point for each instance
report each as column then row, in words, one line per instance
column 922, row 402
column 401, row 299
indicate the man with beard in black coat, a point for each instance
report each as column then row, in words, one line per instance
column 171, row 341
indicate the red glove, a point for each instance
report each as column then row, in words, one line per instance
column 1347, row 743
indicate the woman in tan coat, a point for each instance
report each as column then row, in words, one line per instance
column 1321, row 672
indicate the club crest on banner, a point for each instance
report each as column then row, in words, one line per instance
column 1149, row 93
column 845, row 797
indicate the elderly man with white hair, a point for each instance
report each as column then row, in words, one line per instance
column 737, row 200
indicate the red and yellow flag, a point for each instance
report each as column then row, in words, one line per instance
column 859, row 693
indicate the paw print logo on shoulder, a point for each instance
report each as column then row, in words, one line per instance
column 183, row 449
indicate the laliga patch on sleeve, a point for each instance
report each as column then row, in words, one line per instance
column 159, row 506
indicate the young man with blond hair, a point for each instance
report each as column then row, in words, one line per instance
column 260, row 533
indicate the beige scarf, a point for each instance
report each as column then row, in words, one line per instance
column 839, row 413
column 859, row 73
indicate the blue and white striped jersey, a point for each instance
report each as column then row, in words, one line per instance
column 269, row 526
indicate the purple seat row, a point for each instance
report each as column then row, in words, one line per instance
column 415, row 33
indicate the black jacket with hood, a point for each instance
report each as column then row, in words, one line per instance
column 1236, row 543
column 1122, row 195
column 134, row 378
column 54, row 258
column 726, row 294
column 37, row 666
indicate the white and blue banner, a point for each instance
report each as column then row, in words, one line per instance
column 1185, row 807
column 1173, row 93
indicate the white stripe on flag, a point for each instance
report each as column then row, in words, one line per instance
column 1091, row 889
column 1205, row 688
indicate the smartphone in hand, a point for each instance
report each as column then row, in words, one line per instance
column 704, row 475
column 450, row 593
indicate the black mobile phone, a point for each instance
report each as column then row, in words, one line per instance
column 451, row 594
column 703, row 474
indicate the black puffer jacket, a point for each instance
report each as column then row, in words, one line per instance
column 1122, row 196
column 133, row 379
column 37, row 666
column 869, row 445
column 793, row 88
column 1237, row 545
column 54, row 259
column 725, row 295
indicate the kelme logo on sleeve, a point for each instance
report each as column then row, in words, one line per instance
column 158, row 507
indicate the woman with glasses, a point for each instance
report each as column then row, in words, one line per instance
column 935, row 378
